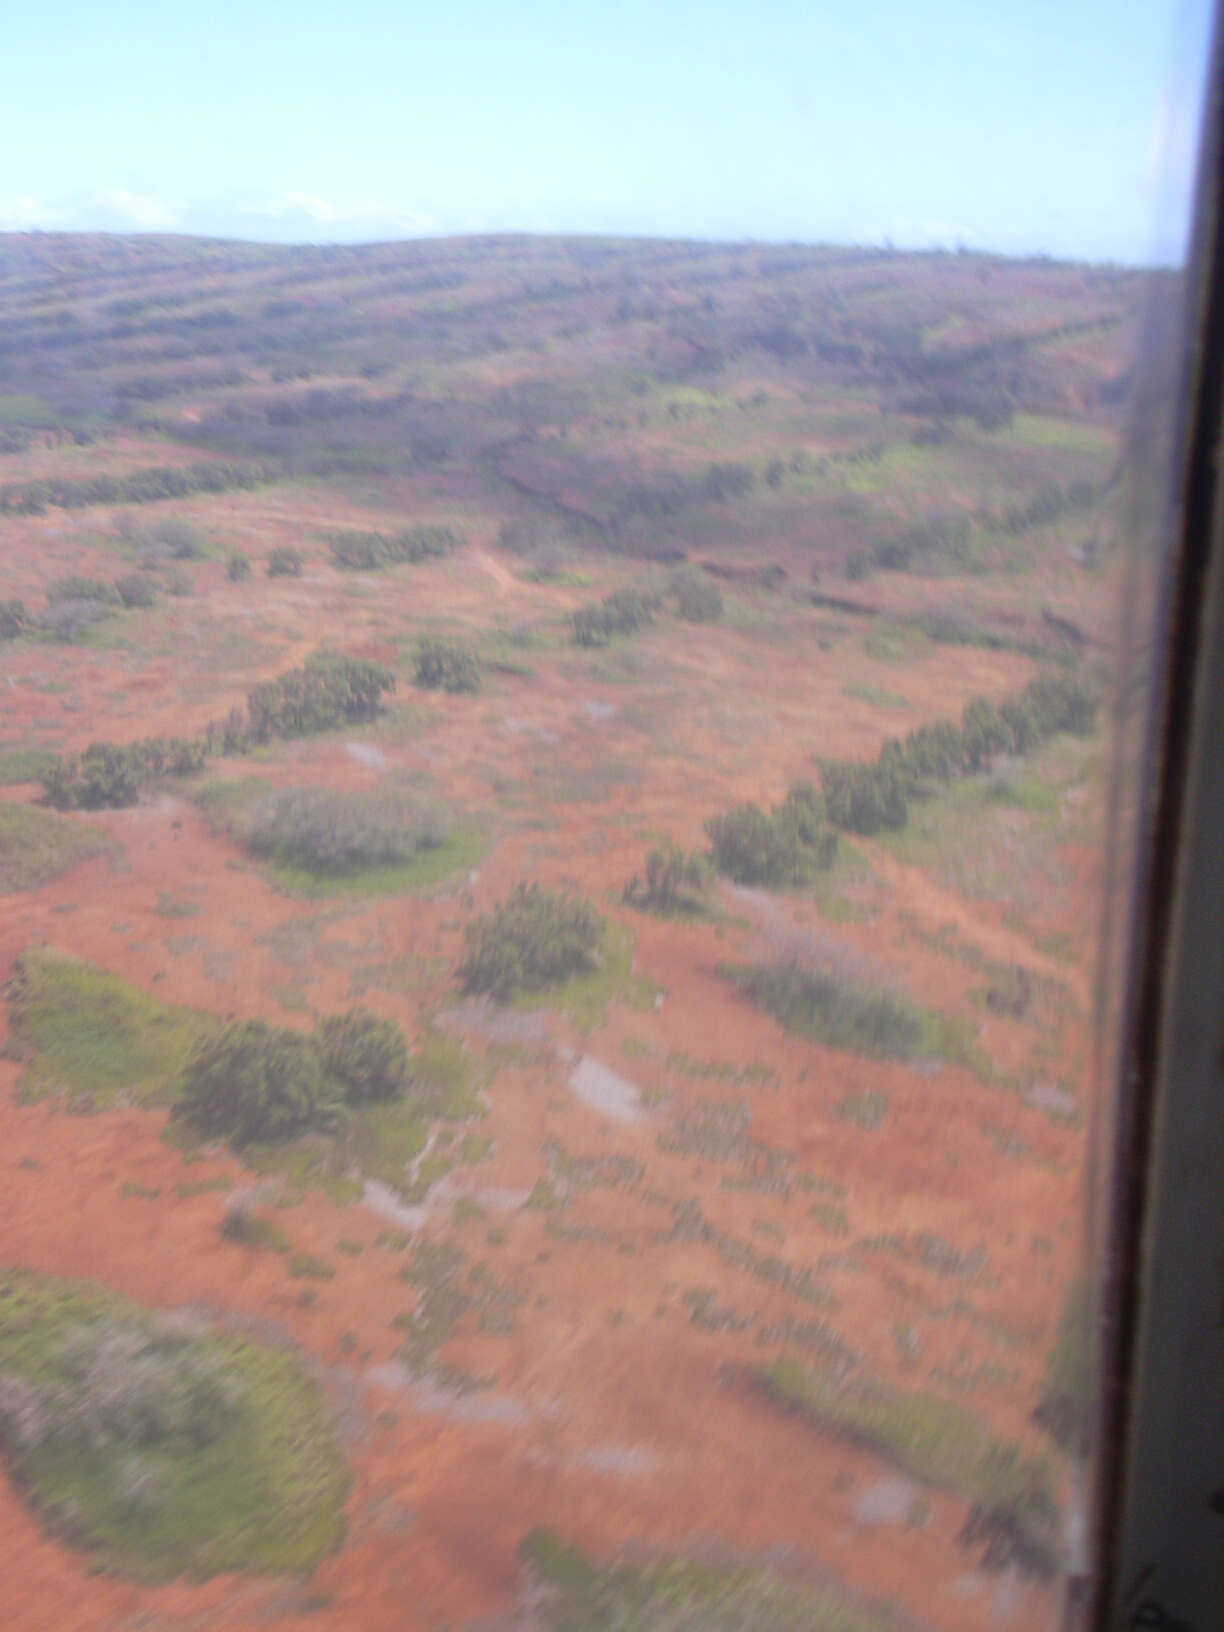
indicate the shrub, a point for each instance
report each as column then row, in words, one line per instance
column 1061, row 703
column 183, row 539
column 65, row 620
column 178, row 582
column 285, row 562
column 943, row 539
column 13, row 619
column 695, row 596
column 537, row 938
column 237, row 567
column 621, row 613
column 136, row 590
column 858, row 566
column 365, row 1054
column 985, row 733
column 327, row 690
column 106, row 774
column 113, row 774
column 864, row 798
column 446, row 665
column 426, row 543
column 252, row 1081
column 76, row 588
column 935, row 751
column 325, row 831
column 729, row 480
column 676, row 881
column 359, row 552
column 364, row 551
column 789, row 845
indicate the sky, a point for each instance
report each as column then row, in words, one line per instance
column 1064, row 127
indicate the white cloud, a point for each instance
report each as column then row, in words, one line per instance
column 138, row 210
column 23, row 213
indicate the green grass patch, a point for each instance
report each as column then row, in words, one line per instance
column 843, row 890
column 1013, row 1497
column 587, row 998
column 877, row 696
column 25, row 764
column 36, row 846
column 159, row 1447
column 92, row 1035
column 319, row 843
column 676, row 1595
column 461, row 850
column 866, row 1110
column 1042, row 431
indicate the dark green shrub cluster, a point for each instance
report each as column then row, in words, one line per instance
column 866, row 797
column 326, row 831
column 110, row 774
column 14, row 619
column 944, row 540
column 366, row 551
column 446, row 665
column 181, row 540
column 285, row 562
column 537, row 938
column 675, row 881
column 77, row 588
column 237, row 567
column 136, row 590
column 728, row 480
column 329, row 689
column 365, row 1054
column 695, row 596
column 136, row 487
column 252, row 1082
column 786, row 845
column 1048, row 505
column 622, row 612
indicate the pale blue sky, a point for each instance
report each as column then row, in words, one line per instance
column 1018, row 125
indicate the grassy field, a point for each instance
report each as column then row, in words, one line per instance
column 161, row 1447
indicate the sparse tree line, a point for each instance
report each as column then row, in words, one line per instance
column 329, row 689
column 1047, row 505
column 137, row 487
column 790, row 843
column 356, row 551
column 865, row 797
column 691, row 594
